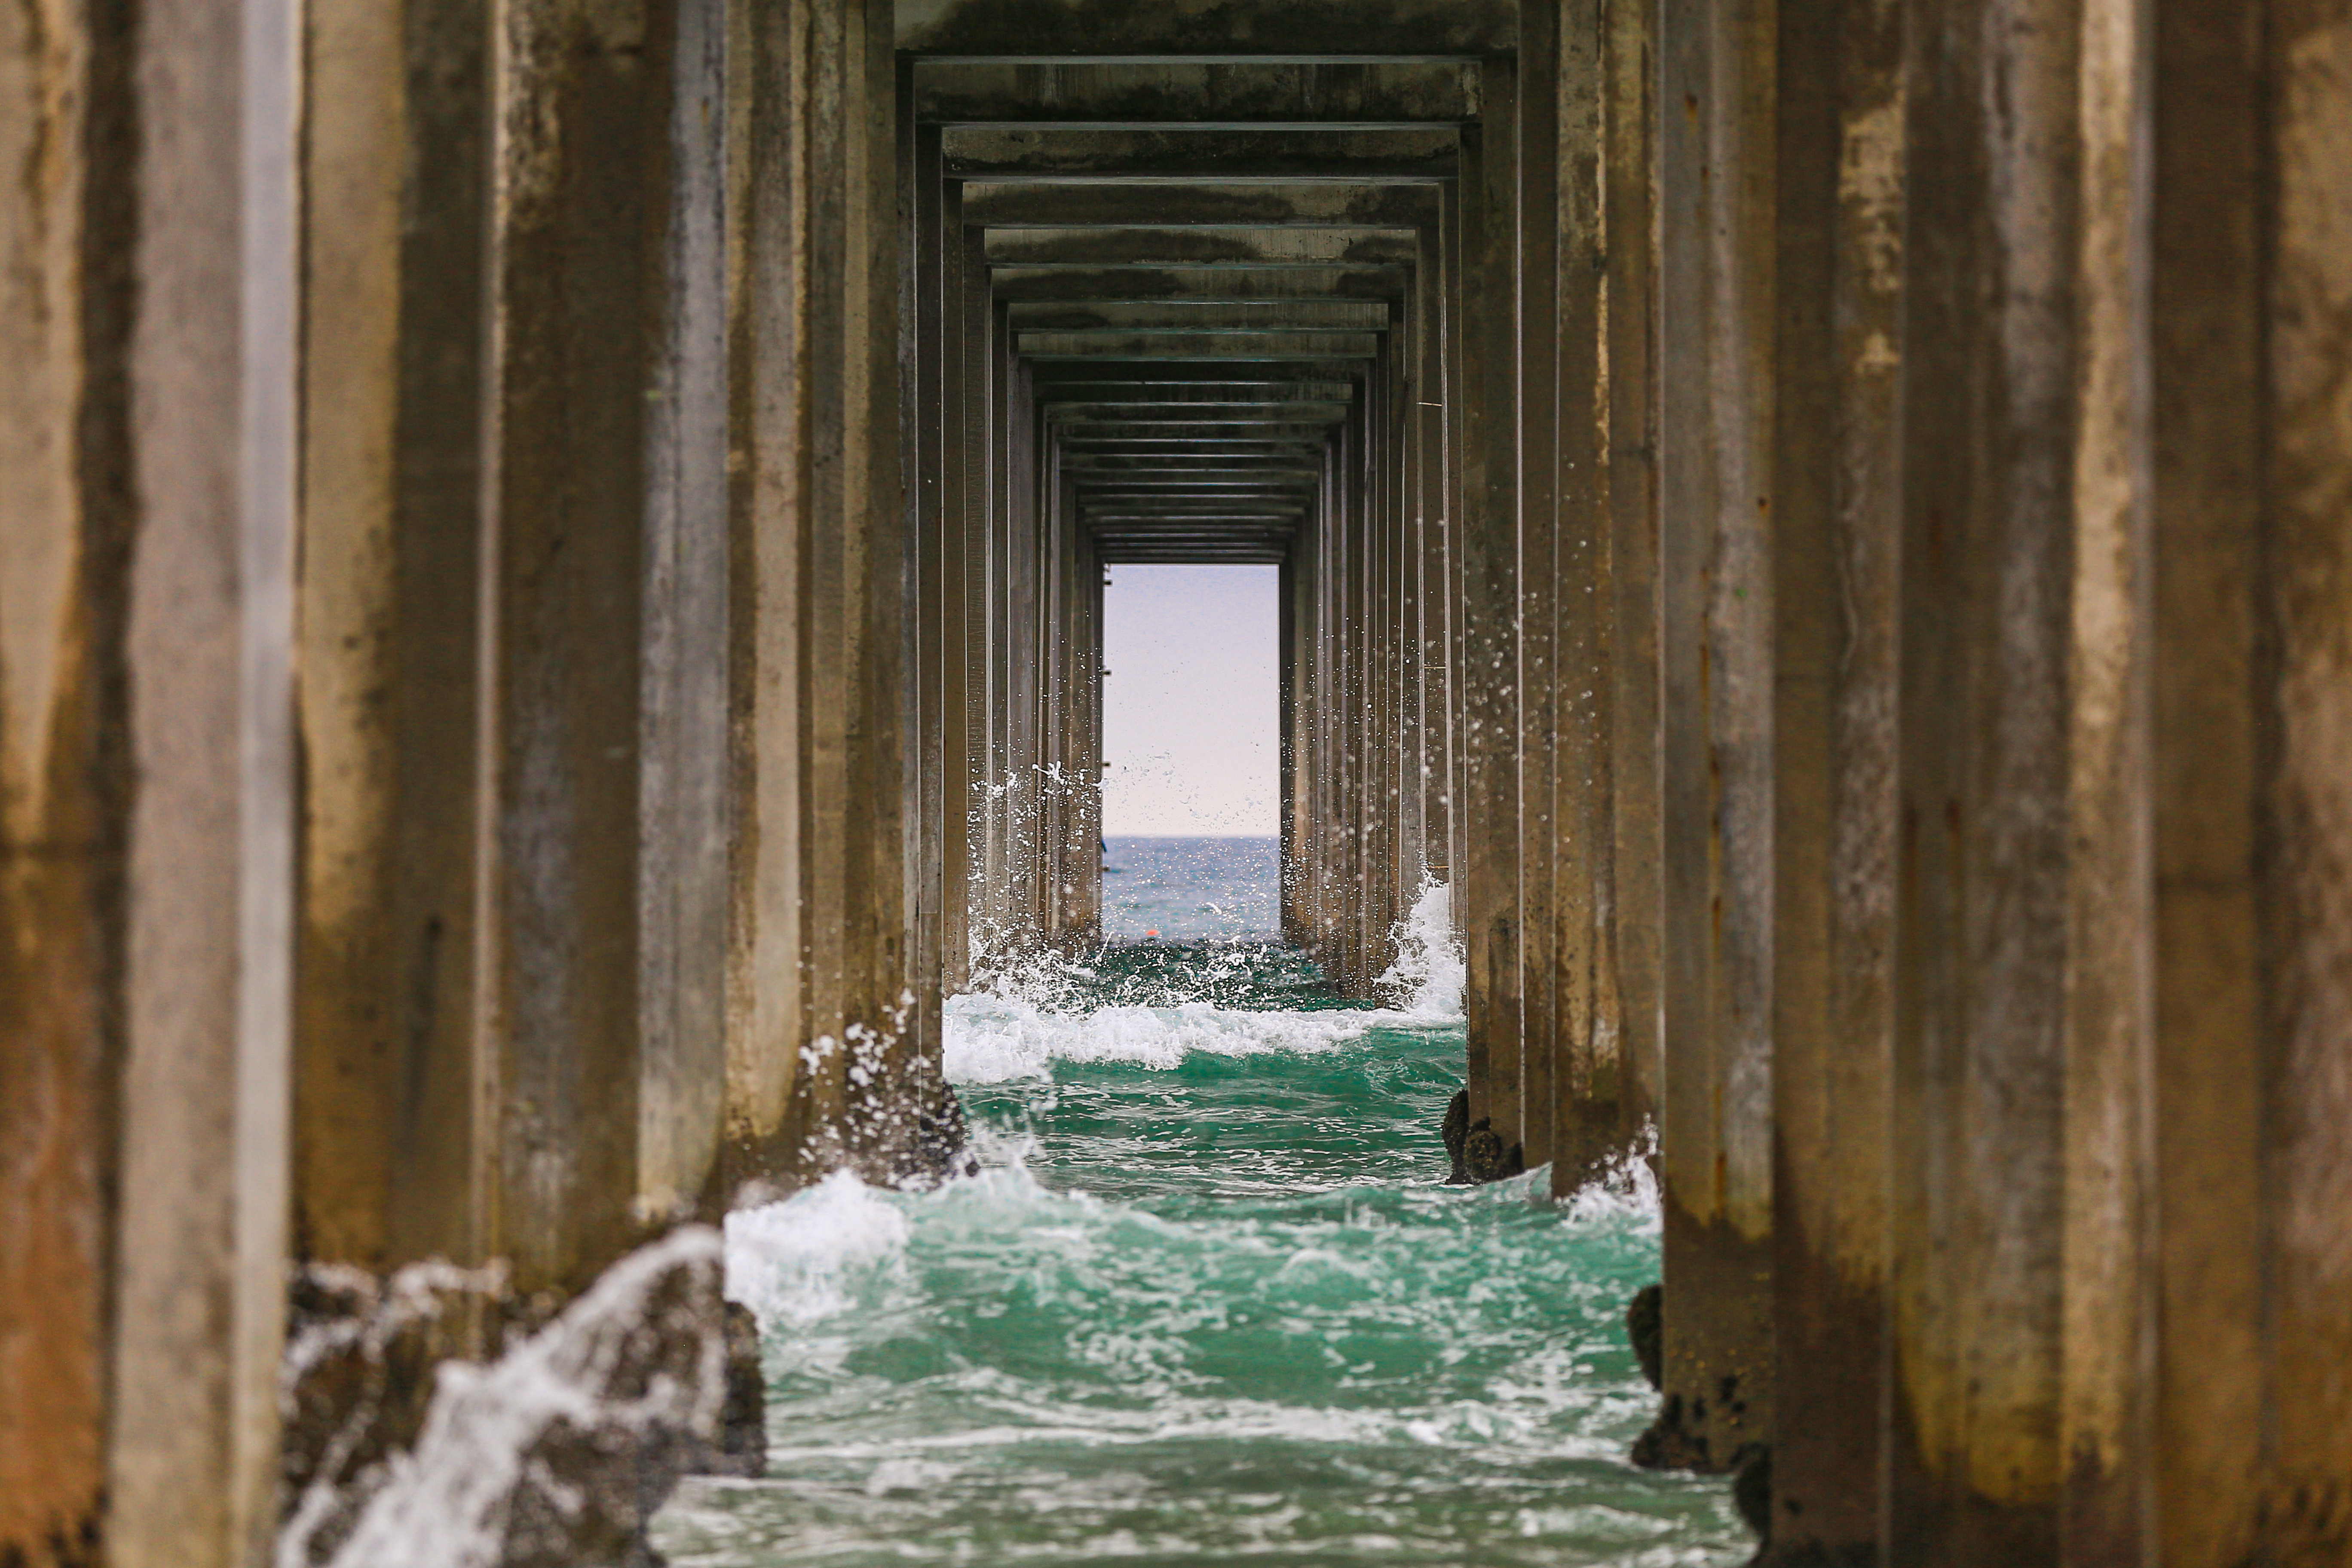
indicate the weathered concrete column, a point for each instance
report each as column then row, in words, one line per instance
column 148, row 295
column 1548, row 955
column 1587, row 1123
column 608, row 605
column 1715, row 308
column 826, row 1065
column 2021, row 979
column 1631, row 886
column 1428, row 568
column 1487, row 896
column 2253, row 661
column 1837, row 483
column 390, row 1157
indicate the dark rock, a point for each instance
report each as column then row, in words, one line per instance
column 1751, row 1491
column 1645, row 1325
column 1669, row 1445
column 743, row 1446
column 555, row 1455
column 1456, row 1131
column 1485, row 1158
column 358, row 1376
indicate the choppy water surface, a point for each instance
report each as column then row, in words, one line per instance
column 1182, row 889
column 1208, row 1302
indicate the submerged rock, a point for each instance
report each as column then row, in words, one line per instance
column 743, row 1446
column 1751, row 1491
column 553, row 1456
column 1645, row 1325
column 1456, row 1131
column 1485, row 1158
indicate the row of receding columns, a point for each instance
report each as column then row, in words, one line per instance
column 1893, row 639
column 2002, row 621
column 451, row 637
column 1168, row 312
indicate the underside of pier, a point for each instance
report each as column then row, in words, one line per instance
column 551, row 608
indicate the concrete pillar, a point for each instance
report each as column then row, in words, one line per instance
column 825, row 924
column 683, row 893
column 1454, row 529
column 2021, row 980
column 148, row 293
column 2249, row 288
column 389, row 1151
column 1630, row 887
column 1428, row 565
column 766, row 985
column 608, row 605
column 1837, row 486
column 1546, row 993
column 931, row 210
column 1715, row 371
column 1587, row 1124
column 1488, row 896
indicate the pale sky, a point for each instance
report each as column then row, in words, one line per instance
column 1191, row 726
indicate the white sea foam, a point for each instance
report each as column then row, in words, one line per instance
column 1028, row 1018
column 790, row 1262
column 1626, row 1189
column 993, row 1038
column 1427, row 976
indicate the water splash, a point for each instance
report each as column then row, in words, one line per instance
column 1426, row 979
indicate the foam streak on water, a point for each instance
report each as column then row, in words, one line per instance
column 1209, row 1302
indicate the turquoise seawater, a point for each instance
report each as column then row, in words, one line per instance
column 1208, row 1302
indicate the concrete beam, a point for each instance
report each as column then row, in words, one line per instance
column 1084, row 464
column 1156, row 247
column 1193, row 555
column 1203, row 316
column 1240, row 449
column 1226, row 204
column 1016, row 285
column 1205, row 344
column 1048, row 32
column 1188, row 94
column 1145, row 435
column 1183, row 419
column 1050, row 377
column 1054, row 395
column 1189, row 155
column 1181, row 510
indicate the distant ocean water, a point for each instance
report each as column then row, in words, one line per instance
column 1189, row 888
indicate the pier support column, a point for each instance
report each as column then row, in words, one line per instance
column 2020, row 977
column 390, row 1151
column 1837, row 484
column 826, row 1007
column 1591, row 1121
column 1487, row 898
column 1631, row 758
column 2252, row 657
column 607, row 602
column 148, row 293
column 1715, row 305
